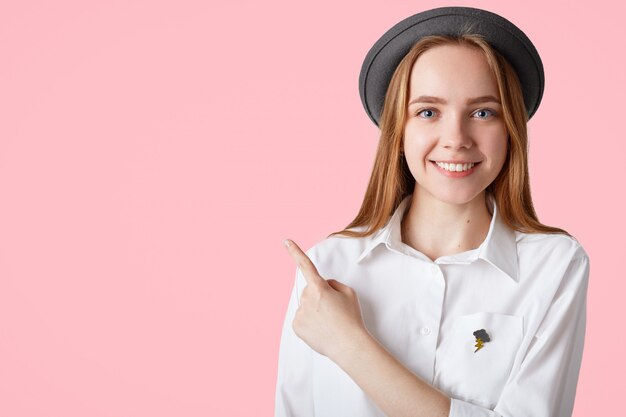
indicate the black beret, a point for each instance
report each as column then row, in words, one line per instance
column 383, row 58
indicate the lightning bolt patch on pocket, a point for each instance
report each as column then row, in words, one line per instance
column 481, row 337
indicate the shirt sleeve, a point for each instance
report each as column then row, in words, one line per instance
column 294, row 384
column 544, row 384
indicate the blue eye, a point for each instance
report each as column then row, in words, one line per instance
column 426, row 110
column 430, row 113
column 485, row 110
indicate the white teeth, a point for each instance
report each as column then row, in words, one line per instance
column 455, row 167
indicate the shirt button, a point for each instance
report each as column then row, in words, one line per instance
column 425, row 331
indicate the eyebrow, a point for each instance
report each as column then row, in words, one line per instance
column 432, row 99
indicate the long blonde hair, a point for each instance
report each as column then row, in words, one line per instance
column 391, row 181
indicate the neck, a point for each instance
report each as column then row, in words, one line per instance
column 437, row 228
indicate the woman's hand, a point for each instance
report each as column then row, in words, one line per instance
column 329, row 321
column 329, row 316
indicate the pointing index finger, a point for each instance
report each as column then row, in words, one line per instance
column 305, row 264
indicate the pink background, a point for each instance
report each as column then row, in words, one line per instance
column 154, row 154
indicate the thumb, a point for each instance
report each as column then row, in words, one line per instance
column 339, row 286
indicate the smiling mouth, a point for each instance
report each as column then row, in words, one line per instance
column 455, row 167
column 450, row 170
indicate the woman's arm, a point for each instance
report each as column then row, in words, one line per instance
column 393, row 387
column 329, row 320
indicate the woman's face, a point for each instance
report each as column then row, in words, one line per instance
column 454, row 115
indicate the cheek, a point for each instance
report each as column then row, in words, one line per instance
column 417, row 144
column 497, row 151
column 415, row 154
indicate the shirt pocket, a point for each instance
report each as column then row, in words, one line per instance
column 478, row 376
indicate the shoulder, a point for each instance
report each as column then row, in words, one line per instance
column 550, row 244
column 335, row 253
column 561, row 256
column 333, row 256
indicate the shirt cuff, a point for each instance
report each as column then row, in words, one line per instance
column 460, row 408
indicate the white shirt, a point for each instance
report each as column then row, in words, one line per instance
column 528, row 291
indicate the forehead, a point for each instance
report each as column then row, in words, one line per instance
column 452, row 71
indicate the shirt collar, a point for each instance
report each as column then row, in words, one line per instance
column 499, row 247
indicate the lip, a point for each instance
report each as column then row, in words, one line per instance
column 455, row 174
column 455, row 161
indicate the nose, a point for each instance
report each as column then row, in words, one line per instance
column 455, row 134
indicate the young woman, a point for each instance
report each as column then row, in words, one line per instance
column 445, row 296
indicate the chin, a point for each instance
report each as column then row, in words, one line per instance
column 457, row 198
